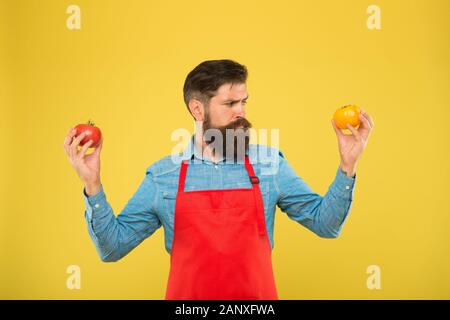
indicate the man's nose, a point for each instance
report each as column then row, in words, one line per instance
column 240, row 111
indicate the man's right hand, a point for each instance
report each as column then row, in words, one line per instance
column 87, row 166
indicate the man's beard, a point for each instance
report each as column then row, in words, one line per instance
column 235, row 138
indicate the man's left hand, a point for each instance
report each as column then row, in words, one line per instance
column 352, row 145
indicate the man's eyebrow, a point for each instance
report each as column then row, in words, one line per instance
column 234, row 101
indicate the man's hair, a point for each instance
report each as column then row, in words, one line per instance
column 204, row 80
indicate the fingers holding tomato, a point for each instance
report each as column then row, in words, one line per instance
column 367, row 119
column 84, row 148
column 76, row 140
column 68, row 140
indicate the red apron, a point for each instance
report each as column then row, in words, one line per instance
column 221, row 249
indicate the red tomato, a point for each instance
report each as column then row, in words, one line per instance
column 91, row 133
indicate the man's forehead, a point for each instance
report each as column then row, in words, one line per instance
column 232, row 91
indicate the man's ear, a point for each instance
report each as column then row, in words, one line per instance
column 197, row 109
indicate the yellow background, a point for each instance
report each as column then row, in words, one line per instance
column 125, row 70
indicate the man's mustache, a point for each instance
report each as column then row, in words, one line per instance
column 240, row 123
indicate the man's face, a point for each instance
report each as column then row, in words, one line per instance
column 225, row 115
column 227, row 105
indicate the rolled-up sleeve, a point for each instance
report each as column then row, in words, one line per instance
column 323, row 215
column 114, row 237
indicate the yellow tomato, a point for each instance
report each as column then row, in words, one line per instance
column 347, row 114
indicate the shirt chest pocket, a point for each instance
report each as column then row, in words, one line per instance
column 169, row 199
column 169, row 204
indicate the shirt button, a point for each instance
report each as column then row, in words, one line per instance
column 216, row 166
column 347, row 187
column 97, row 205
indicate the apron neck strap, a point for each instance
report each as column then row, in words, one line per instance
column 251, row 174
column 182, row 177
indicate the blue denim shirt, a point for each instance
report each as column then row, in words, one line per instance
column 153, row 203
